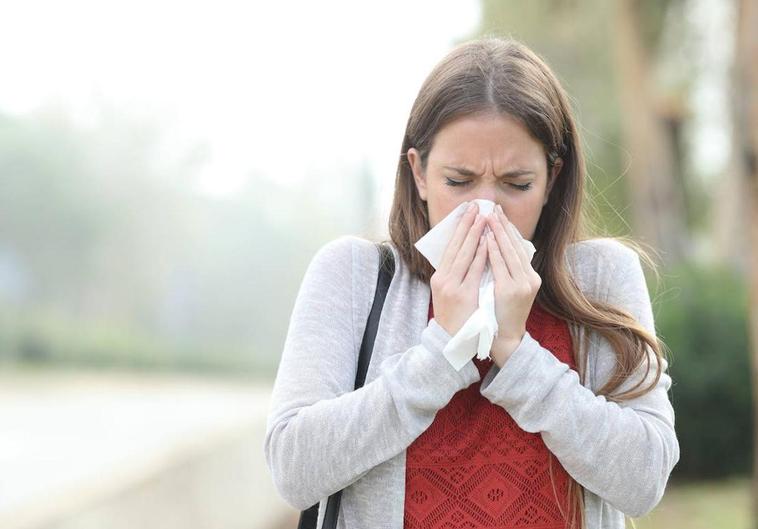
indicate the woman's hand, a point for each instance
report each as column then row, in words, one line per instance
column 516, row 284
column 455, row 283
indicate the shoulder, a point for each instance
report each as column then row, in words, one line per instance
column 601, row 249
column 345, row 268
column 348, row 259
column 595, row 262
column 343, row 251
column 334, row 252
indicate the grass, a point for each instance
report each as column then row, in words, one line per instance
column 702, row 505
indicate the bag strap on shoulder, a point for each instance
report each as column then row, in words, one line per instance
column 386, row 272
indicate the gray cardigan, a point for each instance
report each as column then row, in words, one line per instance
column 322, row 436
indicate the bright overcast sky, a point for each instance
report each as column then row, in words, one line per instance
column 278, row 88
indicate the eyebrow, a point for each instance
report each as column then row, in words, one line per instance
column 508, row 174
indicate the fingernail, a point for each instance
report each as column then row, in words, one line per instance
column 471, row 206
column 500, row 209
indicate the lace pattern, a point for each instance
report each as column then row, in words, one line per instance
column 474, row 467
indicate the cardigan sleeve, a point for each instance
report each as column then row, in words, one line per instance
column 321, row 433
column 623, row 452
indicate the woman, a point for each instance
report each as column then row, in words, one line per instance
column 568, row 423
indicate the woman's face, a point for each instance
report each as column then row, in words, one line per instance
column 485, row 156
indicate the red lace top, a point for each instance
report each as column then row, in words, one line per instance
column 474, row 467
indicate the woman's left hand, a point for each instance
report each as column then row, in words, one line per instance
column 516, row 284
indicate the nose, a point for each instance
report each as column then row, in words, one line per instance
column 487, row 191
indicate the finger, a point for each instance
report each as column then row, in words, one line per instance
column 499, row 268
column 507, row 249
column 462, row 261
column 454, row 245
column 516, row 238
column 476, row 269
column 518, row 242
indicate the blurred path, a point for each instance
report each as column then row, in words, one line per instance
column 98, row 449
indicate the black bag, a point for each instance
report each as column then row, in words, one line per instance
column 309, row 517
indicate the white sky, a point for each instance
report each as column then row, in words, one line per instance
column 277, row 88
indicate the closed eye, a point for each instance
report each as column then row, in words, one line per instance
column 455, row 183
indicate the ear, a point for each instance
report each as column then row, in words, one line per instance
column 414, row 160
column 551, row 178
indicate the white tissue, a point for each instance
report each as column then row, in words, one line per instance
column 483, row 322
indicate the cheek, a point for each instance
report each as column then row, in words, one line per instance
column 442, row 201
column 523, row 214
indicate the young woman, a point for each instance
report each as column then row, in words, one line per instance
column 568, row 423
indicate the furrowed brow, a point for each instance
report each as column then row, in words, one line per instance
column 515, row 173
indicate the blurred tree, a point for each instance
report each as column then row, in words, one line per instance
column 104, row 237
column 650, row 129
column 705, row 324
column 94, row 212
column 746, row 129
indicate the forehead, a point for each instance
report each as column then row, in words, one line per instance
column 481, row 139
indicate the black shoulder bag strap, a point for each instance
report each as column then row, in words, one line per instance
column 309, row 517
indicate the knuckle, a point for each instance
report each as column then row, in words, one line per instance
column 447, row 292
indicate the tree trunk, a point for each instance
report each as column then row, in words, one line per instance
column 656, row 198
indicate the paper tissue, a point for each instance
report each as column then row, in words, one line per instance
column 482, row 324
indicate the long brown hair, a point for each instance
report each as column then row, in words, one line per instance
column 503, row 76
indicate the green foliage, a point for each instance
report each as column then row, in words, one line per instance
column 704, row 325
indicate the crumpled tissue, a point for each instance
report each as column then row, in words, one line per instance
column 482, row 324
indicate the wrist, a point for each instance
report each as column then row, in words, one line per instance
column 503, row 348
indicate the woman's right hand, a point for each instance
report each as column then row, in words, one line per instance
column 455, row 284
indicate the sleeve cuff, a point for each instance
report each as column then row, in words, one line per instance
column 435, row 338
column 522, row 374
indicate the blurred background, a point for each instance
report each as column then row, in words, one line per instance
column 167, row 171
